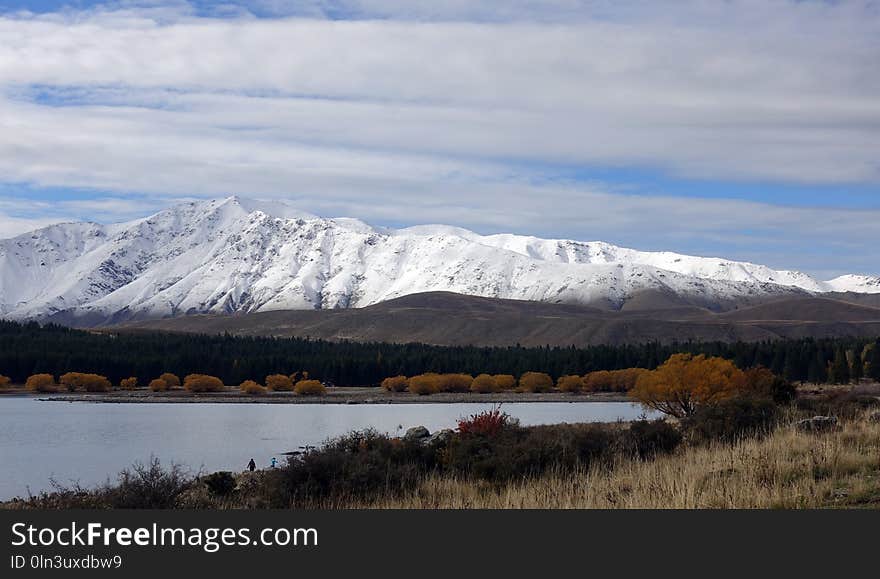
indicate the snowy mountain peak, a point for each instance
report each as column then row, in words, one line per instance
column 242, row 255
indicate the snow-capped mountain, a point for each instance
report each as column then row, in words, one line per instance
column 236, row 255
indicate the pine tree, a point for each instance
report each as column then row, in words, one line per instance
column 817, row 372
column 873, row 359
column 858, row 367
column 838, row 372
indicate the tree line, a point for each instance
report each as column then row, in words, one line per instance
column 31, row 348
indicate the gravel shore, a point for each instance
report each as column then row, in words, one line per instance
column 335, row 395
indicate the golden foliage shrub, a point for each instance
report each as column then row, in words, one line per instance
column 571, row 384
column 171, row 379
column 89, row 382
column 4, row 381
column 484, row 384
column 128, row 383
column 309, row 388
column 505, row 381
column 613, row 381
column 535, row 382
column 41, row 383
column 685, row 382
column 297, row 376
column 279, row 383
column 424, row 384
column 394, row 383
column 455, row 382
column 158, row 385
column 252, row 388
column 203, row 383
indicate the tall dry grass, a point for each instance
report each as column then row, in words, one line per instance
column 787, row 469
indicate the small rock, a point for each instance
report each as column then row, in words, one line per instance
column 417, row 433
column 440, row 437
column 817, row 424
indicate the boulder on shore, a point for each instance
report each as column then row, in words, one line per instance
column 417, row 433
column 440, row 437
column 817, row 424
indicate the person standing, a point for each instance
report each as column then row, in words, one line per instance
column 252, row 465
column 273, row 462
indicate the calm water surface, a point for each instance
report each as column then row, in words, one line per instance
column 86, row 442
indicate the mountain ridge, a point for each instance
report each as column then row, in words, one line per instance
column 448, row 319
column 237, row 255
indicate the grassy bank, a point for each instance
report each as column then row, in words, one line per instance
column 788, row 469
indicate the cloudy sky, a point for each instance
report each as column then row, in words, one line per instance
column 743, row 128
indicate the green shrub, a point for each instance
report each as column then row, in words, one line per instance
column 220, row 484
column 732, row 420
column 648, row 438
column 762, row 383
column 359, row 464
column 516, row 452
column 843, row 405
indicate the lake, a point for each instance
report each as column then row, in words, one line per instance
column 87, row 442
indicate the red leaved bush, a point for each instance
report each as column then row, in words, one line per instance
column 486, row 423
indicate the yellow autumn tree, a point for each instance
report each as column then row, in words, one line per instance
column 81, row 381
column 158, row 385
column 505, row 381
column 309, row 388
column 41, row 383
column 128, row 383
column 252, row 388
column 612, row 381
column 484, row 384
column 202, row 383
column 4, row 381
column 455, row 382
column 170, row 379
column 279, row 383
column 535, row 382
column 394, row 383
column 424, row 384
column 684, row 382
column 571, row 384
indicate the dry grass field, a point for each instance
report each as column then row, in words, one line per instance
column 787, row 470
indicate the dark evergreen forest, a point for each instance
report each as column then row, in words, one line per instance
column 29, row 348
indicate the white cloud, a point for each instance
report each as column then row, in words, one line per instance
column 12, row 226
column 793, row 99
column 430, row 117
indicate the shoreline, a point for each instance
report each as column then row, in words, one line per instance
column 335, row 395
column 343, row 395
